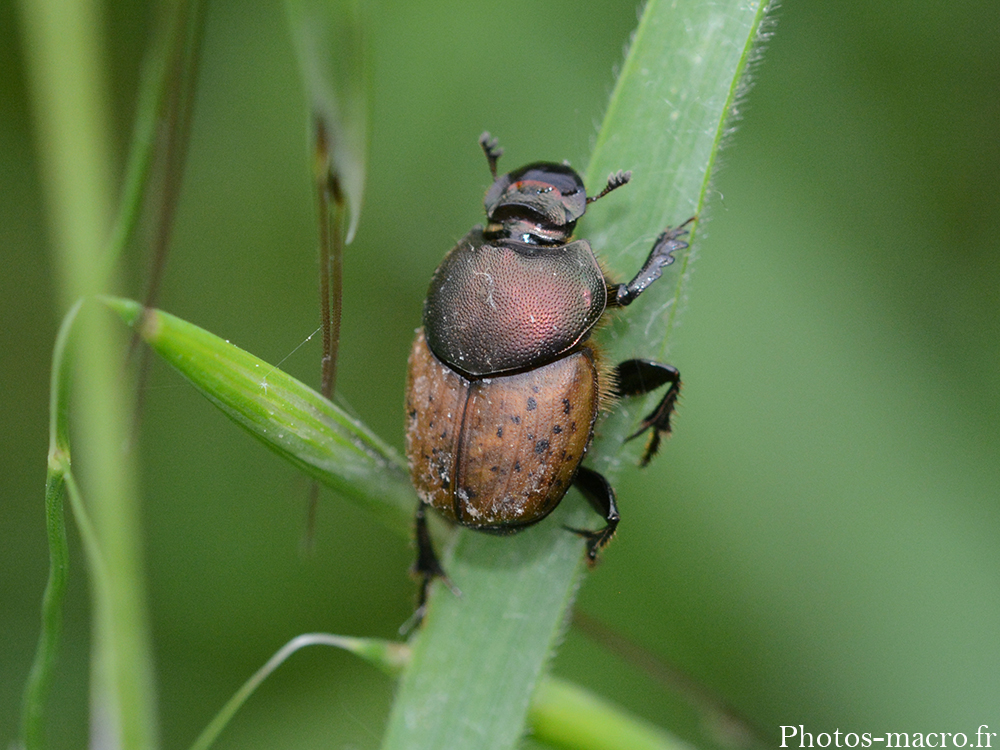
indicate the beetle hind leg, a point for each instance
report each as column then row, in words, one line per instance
column 426, row 567
column 601, row 496
column 635, row 377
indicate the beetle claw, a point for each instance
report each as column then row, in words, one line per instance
column 455, row 590
column 426, row 579
column 596, row 541
column 652, row 445
column 601, row 497
column 412, row 621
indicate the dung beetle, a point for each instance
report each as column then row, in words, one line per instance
column 504, row 385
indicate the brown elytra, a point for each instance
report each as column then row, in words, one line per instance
column 497, row 453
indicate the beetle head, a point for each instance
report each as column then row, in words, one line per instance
column 538, row 203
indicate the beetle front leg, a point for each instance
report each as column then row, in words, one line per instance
column 635, row 377
column 601, row 496
column 659, row 258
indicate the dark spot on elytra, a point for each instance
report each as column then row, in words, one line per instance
column 500, row 432
column 532, row 404
column 567, row 406
column 517, row 466
column 530, row 436
column 556, row 429
column 444, row 435
column 541, row 446
column 572, row 426
column 412, row 414
column 535, row 389
column 494, row 469
column 515, row 419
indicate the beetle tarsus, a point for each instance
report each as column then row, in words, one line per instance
column 615, row 181
column 635, row 377
column 661, row 256
column 427, row 567
column 601, row 496
column 491, row 147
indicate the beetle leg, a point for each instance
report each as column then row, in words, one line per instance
column 659, row 258
column 427, row 566
column 615, row 181
column 634, row 377
column 601, row 496
column 491, row 147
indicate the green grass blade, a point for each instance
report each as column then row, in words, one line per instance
column 479, row 657
column 59, row 483
column 388, row 656
column 63, row 57
column 330, row 45
column 287, row 416
column 171, row 56
column 565, row 715
column 73, row 139
column 677, row 96
column 40, row 677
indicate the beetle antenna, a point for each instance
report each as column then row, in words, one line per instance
column 491, row 147
column 615, row 181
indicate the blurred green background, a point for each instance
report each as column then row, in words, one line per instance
column 818, row 543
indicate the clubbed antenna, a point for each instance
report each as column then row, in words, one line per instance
column 491, row 147
column 615, row 181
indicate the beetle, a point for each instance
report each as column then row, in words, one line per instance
column 504, row 385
